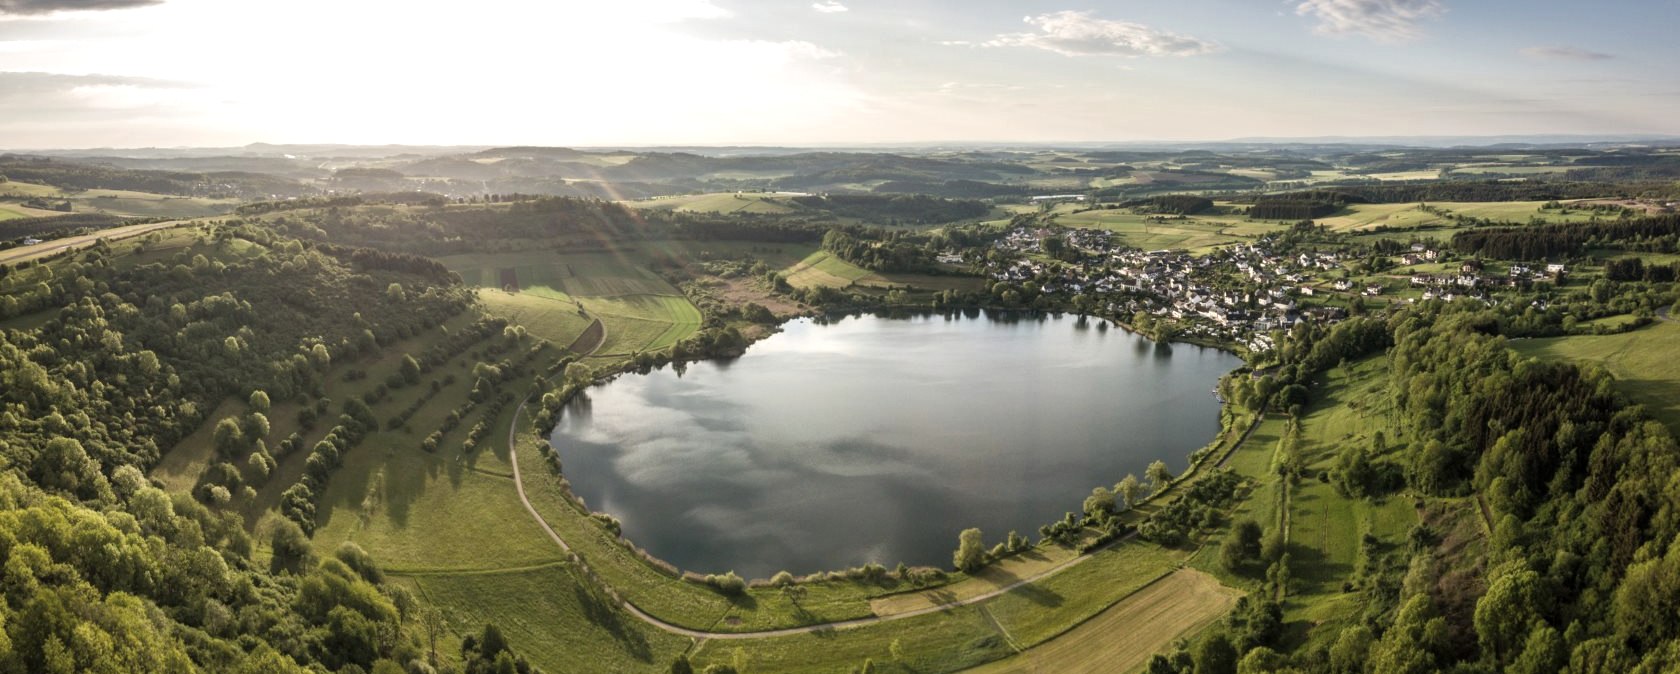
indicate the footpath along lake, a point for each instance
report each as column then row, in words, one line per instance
column 877, row 439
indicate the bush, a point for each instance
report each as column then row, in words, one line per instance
column 728, row 583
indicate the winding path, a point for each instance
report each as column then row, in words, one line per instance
column 519, row 485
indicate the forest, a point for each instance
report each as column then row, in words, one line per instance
column 87, row 176
column 105, row 571
column 1583, row 559
column 1659, row 234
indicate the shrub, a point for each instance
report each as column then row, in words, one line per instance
column 728, row 583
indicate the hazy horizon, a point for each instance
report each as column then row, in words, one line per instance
column 198, row 73
column 976, row 144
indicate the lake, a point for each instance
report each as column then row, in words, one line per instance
column 878, row 439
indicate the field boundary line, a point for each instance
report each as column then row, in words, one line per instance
column 422, row 573
column 1007, row 637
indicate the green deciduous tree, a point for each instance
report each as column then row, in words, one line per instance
column 1129, row 490
column 1159, row 476
column 1215, row 655
column 971, row 551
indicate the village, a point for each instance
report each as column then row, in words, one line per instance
column 1240, row 293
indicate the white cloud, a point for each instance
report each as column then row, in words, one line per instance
column 1075, row 33
column 37, row 7
column 829, row 6
column 1566, row 54
column 1386, row 20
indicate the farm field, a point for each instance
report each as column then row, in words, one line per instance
column 824, row 269
column 939, row 642
column 528, row 604
column 1513, row 170
column 775, row 255
column 1123, row 637
column 1198, row 233
column 139, row 204
column 555, row 320
column 116, row 202
column 1035, row 613
column 722, row 202
column 1358, row 217
column 1645, row 363
column 17, row 211
column 50, row 247
column 556, row 296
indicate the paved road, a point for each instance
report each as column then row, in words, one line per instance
column 519, row 485
column 45, row 248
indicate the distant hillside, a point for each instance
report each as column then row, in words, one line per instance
column 86, row 176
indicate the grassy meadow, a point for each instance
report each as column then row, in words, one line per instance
column 557, row 296
column 113, row 202
column 1645, row 363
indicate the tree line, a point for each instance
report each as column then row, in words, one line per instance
column 1659, row 233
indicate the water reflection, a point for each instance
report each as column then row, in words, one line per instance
column 877, row 439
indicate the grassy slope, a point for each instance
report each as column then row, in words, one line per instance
column 1196, row 233
column 1325, row 528
column 721, row 202
column 641, row 312
column 556, row 321
column 824, row 269
column 529, row 605
column 1645, row 363
column 1124, row 637
column 117, row 202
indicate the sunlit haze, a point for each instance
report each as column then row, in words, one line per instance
column 128, row 73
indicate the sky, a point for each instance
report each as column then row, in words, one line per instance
column 164, row 73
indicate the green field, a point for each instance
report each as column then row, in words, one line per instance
column 1050, row 607
column 1324, row 527
column 721, row 202
column 922, row 282
column 1124, row 637
column 555, row 320
column 1360, row 217
column 558, row 295
column 824, row 269
column 1645, row 363
column 546, row 613
column 115, row 202
column 1198, row 233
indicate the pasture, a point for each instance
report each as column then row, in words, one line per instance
column 720, row 202
column 824, row 269
column 9, row 211
column 1036, row 613
column 115, row 202
column 530, row 605
column 939, row 642
column 1199, row 233
column 1645, row 363
column 1363, row 217
column 557, row 321
column 556, row 296
column 1324, row 528
column 1123, row 637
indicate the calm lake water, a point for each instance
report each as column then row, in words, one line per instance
column 874, row 439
